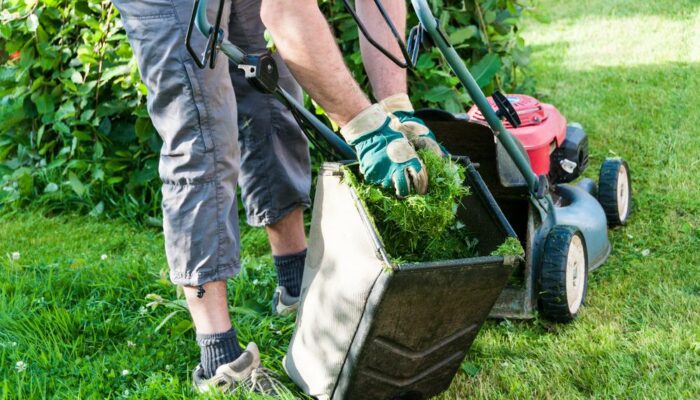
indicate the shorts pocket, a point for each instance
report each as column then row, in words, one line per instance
column 175, row 101
column 199, row 103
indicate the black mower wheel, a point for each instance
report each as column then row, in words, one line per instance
column 564, row 274
column 615, row 191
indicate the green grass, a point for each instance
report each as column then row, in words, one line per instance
column 83, row 302
column 629, row 71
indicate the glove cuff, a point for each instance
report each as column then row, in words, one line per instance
column 397, row 103
column 369, row 120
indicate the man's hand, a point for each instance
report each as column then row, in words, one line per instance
column 401, row 109
column 386, row 157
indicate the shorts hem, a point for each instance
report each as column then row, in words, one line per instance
column 271, row 217
column 221, row 273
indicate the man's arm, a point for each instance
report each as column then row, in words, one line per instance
column 305, row 42
column 387, row 79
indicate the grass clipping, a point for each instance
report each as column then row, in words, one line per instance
column 421, row 228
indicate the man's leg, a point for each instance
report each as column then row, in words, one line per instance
column 288, row 242
column 193, row 110
column 287, row 236
column 276, row 169
column 210, row 312
column 387, row 79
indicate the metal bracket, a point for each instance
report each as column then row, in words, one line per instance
column 416, row 38
column 261, row 71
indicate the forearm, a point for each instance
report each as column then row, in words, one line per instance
column 308, row 47
column 386, row 78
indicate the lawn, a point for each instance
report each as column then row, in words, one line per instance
column 86, row 310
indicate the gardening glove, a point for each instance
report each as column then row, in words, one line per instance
column 400, row 108
column 386, row 157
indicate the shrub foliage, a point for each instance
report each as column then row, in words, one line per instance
column 74, row 130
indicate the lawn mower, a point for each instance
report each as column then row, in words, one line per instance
column 370, row 329
column 528, row 170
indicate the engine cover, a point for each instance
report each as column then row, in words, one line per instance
column 542, row 130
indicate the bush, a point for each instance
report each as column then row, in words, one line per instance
column 74, row 130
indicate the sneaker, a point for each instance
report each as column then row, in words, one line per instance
column 283, row 303
column 244, row 372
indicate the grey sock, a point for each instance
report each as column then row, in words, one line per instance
column 290, row 270
column 218, row 349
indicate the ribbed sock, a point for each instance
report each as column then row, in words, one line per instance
column 218, row 349
column 290, row 270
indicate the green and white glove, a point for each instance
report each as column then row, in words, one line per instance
column 386, row 157
column 400, row 108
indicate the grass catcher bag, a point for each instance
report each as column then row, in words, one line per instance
column 375, row 327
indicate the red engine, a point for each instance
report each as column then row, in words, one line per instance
column 555, row 149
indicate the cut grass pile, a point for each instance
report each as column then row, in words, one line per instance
column 74, row 325
column 421, row 228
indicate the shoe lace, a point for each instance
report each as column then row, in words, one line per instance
column 263, row 381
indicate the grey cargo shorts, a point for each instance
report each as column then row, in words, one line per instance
column 211, row 141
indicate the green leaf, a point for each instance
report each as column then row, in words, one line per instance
column 51, row 188
column 438, row 94
column 144, row 129
column 37, row 84
column 116, row 71
column 76, row 77
column 76, row 185
column 115, row 180
column 98, row 151
column 165, row 320
column 486, row 69
column 66, row 110
column 470, row 369
column 61, row 127
column 105, row 126
column 32, row 23
column 461, row 35
column 181, row 327
column 5, row 31
column 81, row 135
column 25, row 181
column 44, row 104
column 98, row 210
